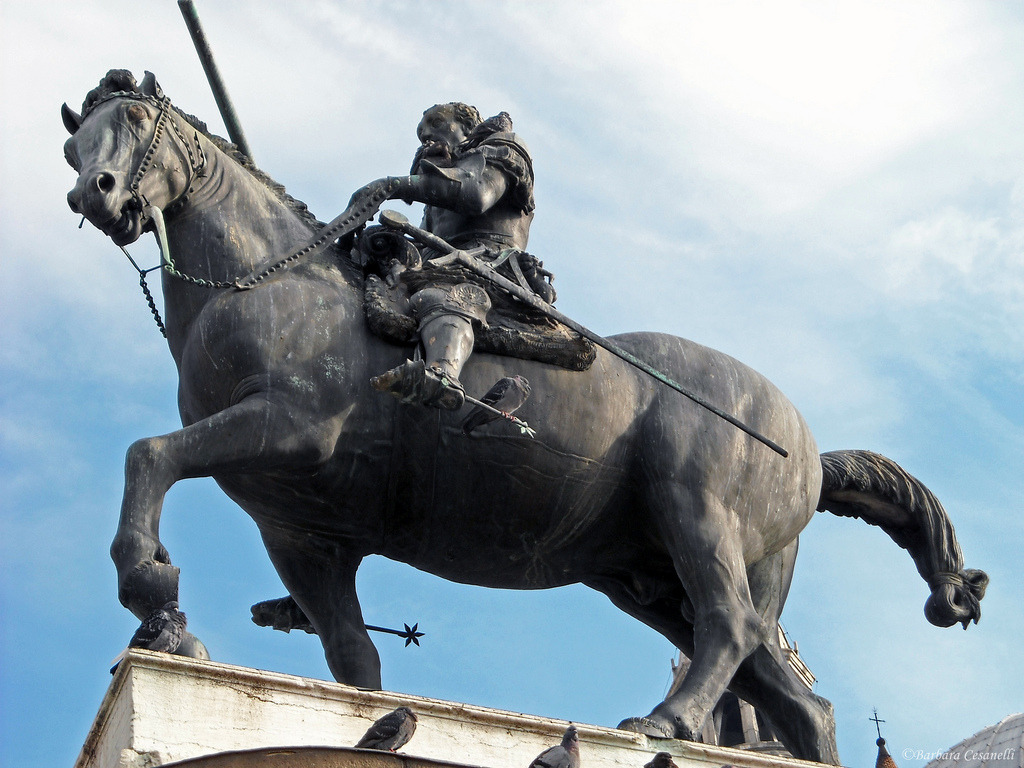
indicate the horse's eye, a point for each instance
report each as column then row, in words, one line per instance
column 137, row 113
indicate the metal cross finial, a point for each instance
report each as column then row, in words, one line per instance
column 877, row 722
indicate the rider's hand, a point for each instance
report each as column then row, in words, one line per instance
column 389, row 187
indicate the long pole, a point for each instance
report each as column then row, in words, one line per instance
column 220, row 92
column 397, row 221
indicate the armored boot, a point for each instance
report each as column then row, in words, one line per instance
column 447, row 343
column 446, row 316
column 406, row 382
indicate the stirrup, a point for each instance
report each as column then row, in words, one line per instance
column 443, row 391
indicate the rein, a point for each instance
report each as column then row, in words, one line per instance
column 354, row 217
column 146, row 292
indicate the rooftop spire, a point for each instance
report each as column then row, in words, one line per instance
column 884, row 759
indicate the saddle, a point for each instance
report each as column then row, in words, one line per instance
column 512, row 328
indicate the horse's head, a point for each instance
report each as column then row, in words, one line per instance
column 132, row 151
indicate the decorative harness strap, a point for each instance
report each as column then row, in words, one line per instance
column 196, row 158
column 349, row 221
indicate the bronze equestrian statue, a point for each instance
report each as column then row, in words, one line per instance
column 683, row 521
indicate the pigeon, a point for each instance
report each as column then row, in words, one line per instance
column 661, row 760
column 162, row 630
column 507, row 395
column 391, row 732
column 565, row 755
column 500, row 123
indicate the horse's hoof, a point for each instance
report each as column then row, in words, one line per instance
column 283, row 614
column 647, row 727
column 147, row 586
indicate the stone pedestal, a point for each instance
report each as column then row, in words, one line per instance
column 161, row 709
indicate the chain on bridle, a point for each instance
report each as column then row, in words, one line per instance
column 347, row 222
column 196, row 159
column 197, row 164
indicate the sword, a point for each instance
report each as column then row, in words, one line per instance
column 397, row 221
column 220, row 93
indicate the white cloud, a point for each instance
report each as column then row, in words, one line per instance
column 953, row 251
column 797, row 94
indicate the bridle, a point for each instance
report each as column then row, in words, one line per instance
column 196, row 158
column 349, row 221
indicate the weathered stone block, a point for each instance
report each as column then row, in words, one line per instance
column 160, row 709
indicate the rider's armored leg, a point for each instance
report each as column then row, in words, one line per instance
column 447, row 344
column 446, row 316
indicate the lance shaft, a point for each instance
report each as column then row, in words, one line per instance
column 396, row 220
column 220, row 93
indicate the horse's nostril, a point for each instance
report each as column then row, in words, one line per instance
column 105, row 182
column 73, row 205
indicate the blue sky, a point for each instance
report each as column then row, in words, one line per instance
column 832, row 193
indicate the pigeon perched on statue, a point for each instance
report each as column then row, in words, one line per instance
column 507, row 395
column 391, row 732
column 500, row 123
column 162, row 630
column 661, row 760
column 565, row 755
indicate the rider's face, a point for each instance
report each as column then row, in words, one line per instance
column 439, row 126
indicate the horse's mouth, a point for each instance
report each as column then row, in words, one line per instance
column 124, row 228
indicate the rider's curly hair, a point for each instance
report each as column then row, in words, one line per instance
column 466, row 115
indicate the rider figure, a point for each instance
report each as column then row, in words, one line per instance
column 476, row 180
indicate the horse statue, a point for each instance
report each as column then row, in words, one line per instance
column 682, row 520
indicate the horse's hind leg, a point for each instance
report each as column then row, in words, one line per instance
column 803, row 720
column 701, row 536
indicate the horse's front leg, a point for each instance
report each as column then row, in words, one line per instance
column 321, row 578
column 256, row 434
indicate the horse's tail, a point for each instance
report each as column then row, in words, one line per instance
column 880, row 492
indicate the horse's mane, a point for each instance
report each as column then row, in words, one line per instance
column 232, row 151
column 122, row 82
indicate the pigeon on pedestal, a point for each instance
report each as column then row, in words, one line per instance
column 565, row 755
column 661, row 760
column 162, row 630
column 391, row 732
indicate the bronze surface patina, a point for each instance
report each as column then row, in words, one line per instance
column 681, row 519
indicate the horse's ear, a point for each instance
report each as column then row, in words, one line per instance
column 72, row 120
column 150, row 87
